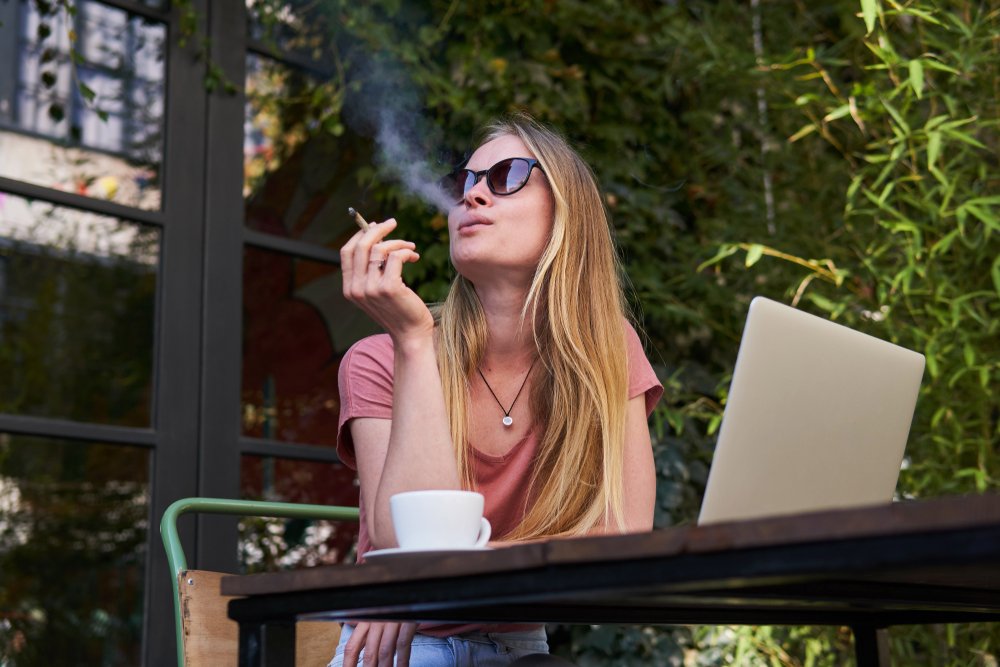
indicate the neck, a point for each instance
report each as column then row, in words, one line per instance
column 511, row 343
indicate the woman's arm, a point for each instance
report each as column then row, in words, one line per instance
column 639, row 471
column 412, row 450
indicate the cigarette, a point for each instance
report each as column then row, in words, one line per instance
column 362, row 223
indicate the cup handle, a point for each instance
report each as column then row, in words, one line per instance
column 484, row 533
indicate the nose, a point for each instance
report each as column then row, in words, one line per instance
column 479, row 194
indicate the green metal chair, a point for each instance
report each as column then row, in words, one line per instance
column 196, row 592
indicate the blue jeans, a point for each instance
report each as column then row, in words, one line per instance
column 482, row 649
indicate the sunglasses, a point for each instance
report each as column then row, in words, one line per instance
column 504, row 178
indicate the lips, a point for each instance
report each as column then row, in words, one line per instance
column 472, row 223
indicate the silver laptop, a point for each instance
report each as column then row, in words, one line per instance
column 817, row 418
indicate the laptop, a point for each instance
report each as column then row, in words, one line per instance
column 817, row 418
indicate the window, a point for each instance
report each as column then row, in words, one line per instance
column 171, row 317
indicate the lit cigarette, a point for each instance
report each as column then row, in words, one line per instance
column 362, row 223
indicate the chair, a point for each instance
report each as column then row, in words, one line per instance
column 205, row 635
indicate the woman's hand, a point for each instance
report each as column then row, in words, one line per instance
column 381, row 642
column 372, row 271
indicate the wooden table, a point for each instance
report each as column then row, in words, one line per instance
column 908, row 563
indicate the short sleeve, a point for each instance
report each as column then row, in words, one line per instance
column 365, row 379
column 641, row 377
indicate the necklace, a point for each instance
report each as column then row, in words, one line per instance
column 507, row 419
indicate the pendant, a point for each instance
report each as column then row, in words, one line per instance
column 508, row 420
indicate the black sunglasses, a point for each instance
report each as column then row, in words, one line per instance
column 504, row 178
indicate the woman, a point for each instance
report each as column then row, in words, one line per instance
column 527, row 384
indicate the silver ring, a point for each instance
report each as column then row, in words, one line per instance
column 380, row 262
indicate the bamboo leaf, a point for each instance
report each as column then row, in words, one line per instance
column 808, row 129
column 963, row 137
column 885, row 55
column 926, row 16
column 940, row 66
column 959, row 23
column 932, row 364
column 935, row 121
column 896, row 116
column 724, row 251
column 933, row 148
column 869, row 10
column 886, row 191
column 839, row 112
column 917, row 77
column 960, row 122
column 942, row 244
column 984, row 216
column 969, row 354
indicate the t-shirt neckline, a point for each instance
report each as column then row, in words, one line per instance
column 500, row 458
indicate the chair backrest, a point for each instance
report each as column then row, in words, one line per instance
column 206, row 637
column 210, row 638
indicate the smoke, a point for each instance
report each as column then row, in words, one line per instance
column 387, row 106
column 404, row 156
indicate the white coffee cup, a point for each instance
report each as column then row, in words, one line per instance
column 439, row 519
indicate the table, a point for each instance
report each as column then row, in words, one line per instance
column 911, row 562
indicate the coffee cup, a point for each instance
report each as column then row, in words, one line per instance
column 439, row 519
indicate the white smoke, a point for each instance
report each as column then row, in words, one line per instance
column 387, row 106
column 403, row 155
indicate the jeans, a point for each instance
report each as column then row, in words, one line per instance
column 482, row 649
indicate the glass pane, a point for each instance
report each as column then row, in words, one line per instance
column 73, row 530
column 301, row 168
column 77, row 300
column 296, row 326
column 108, row 147
column 275, row 544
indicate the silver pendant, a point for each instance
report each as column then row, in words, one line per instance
column 508, row 420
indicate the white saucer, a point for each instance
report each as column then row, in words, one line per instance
column 398, row 552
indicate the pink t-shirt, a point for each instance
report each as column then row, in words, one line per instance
column 366, row 375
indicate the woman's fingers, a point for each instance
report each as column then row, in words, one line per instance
column 347, row 255
column 372, row 280
column 395, row 260
column 387, row 645
column 403, row 643
column 356, row 642
column 366, row 252
column 380, row 251
column 371, row 645
column 375, row 234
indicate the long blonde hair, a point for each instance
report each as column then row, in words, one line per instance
column 576, row 308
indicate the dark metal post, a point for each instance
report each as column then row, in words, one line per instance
column 871, row 646
column 267, row 644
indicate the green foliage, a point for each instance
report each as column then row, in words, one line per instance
column 846, row 165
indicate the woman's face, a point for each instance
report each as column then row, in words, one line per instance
column 501, row 236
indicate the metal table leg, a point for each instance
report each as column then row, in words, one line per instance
column 871, row 646
column 267, row 644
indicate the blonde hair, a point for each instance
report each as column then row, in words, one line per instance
column 577, row 312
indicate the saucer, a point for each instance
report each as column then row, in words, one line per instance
column 399, row 552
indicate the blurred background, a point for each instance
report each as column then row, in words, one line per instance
column 173, row 182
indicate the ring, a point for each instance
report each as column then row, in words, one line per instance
column 380, row 262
